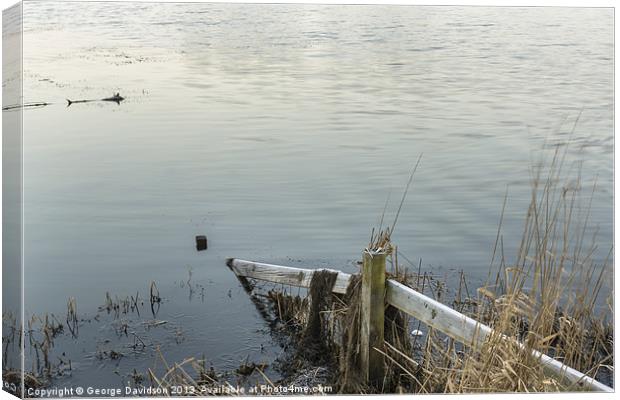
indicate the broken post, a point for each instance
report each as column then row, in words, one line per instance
column 372, row 318
column 201, row 242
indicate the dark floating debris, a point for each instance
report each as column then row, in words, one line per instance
column 25, row 105
column 247, row 369
column 117, row 98
column 201, row 242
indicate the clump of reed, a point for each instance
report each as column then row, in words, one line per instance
column 131, row 304
column 72, row 317
column 247, row 368
column 155, row 299
column 289, row 310
column 548, row 299
column 193, row 287
column 196, row 379
column 38, row 335
column 381, row 238
column 12, row 334
column 119, row 306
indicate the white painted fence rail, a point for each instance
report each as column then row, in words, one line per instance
column 471, row 332
column 431, row 312
column 286, row 275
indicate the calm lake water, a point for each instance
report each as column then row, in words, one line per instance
column 279, row 131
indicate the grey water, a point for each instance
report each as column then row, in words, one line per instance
column 279, row 131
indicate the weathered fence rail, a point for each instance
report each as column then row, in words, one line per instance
column 431, row 312
column 299, row 277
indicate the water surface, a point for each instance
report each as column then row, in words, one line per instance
column 279, row 131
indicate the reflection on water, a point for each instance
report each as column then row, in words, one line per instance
column 279, row 131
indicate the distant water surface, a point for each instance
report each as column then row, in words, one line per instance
column 279, row 131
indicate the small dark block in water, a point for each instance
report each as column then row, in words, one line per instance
column 201, row 243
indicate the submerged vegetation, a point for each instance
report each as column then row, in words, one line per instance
column 40, row 334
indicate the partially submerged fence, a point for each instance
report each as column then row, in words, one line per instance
column 377, row 290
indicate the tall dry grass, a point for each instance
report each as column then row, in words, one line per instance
column 548, row 298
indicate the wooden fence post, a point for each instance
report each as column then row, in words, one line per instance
column 372, row 316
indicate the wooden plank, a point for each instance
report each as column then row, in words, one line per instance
column 433, row 313
column 472, row 333
column 300, row 277
column 372, row 317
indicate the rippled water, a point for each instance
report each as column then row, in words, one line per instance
column 279, row 131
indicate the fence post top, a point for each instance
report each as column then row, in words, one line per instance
column 375, row 252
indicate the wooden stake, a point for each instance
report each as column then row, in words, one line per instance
column 372, row 318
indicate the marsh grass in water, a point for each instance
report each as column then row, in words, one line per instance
column 548, row 299
column 45, row 337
